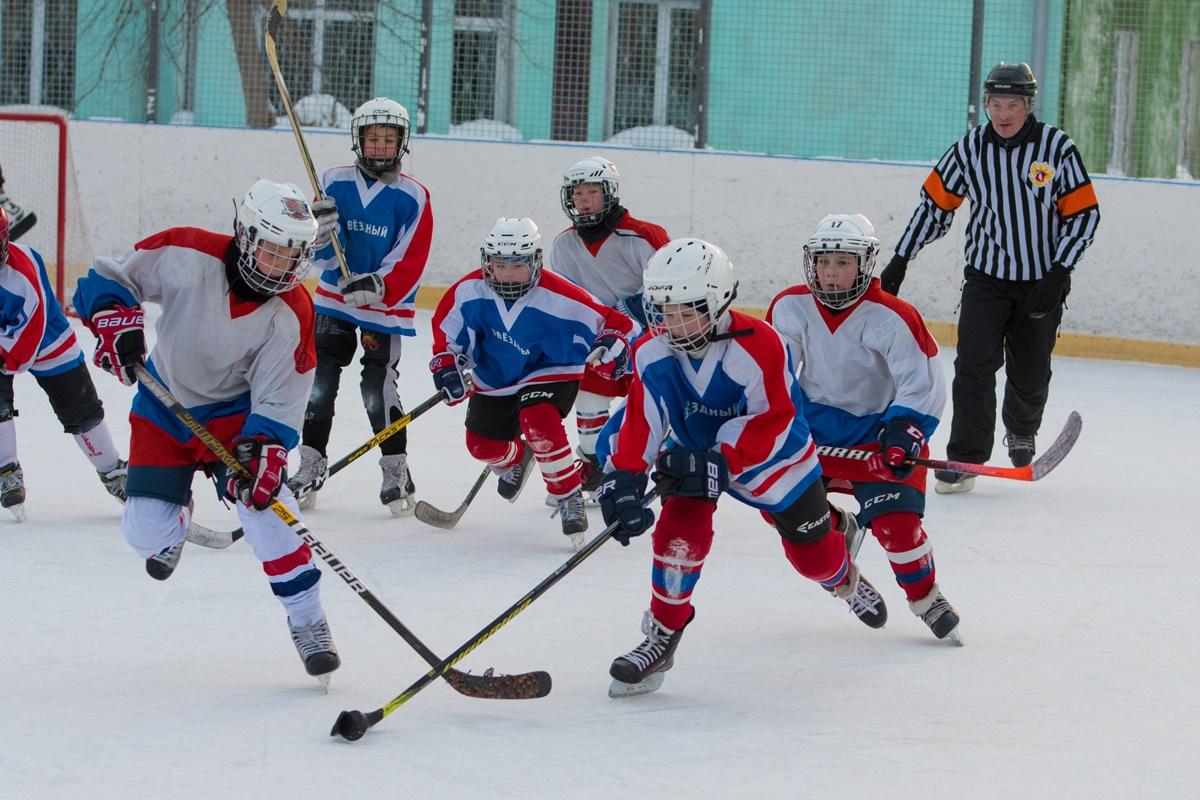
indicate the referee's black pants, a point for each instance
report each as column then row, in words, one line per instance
column 994, row 330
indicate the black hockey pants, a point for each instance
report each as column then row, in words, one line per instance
column 72, row 396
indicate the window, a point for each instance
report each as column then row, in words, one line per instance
column 37, row 53
column 654, row 64
column 327, row 47
column 480, row 80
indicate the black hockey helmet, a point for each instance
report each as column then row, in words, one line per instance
column 1010, row 79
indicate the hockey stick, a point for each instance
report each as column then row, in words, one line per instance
column 351, row 725
column 1039, row 469
column 431, row 515
column 495, row 687
column 274, row 21
column 219, row 540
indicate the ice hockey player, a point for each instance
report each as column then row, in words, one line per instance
column 245, row 378
column 605, row 251
column 384, row 222
column 35, row 337
column 526, row 337
column 871, row 380
column 714, row 407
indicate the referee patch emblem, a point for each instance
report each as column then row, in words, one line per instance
column 1041, row 173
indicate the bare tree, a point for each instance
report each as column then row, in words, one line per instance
column 251, row 60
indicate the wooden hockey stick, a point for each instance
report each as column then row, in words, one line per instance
column 274, row 22
column 1039, row 469
column 431, row 515
column 525, row 686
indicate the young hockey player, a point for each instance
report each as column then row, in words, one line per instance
column 714, row 408
column 235, row 348
column 871, row 381
column 35, row 337
column 605, row 251
column 527, row 337
column 384, row 223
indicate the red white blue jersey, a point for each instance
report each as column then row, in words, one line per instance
column 221, row 357
column 383, row 227
column 742, row 398
column 543, row 337
column 862, row 367
column 35, row 335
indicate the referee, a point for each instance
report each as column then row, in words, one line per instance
column 1033, row 213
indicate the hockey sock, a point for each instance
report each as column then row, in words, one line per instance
column 544, row 432
column 316, row 434
column 97, row 444
column 500, row 455
column 591, row 414
column 908, row 550
column 824, row 561
column 681, row 542
column 8, row 442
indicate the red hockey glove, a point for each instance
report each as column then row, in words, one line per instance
column 448, row 376
column 121, row 342
column 266, row 461
column 610, row 356
column 900, row 441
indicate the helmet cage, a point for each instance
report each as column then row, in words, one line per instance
column 591, row 170
column 865, row 253
column 271, row 220
column 278, row 281
column 380, row 112
column 510, row 290
column 688, row 273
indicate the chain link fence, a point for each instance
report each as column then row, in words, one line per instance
column 860, row 79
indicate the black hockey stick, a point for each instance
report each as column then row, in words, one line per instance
column 351, row 725
column 219, row 540
column 431, row 515
column 1039, row 469
column 494, row 687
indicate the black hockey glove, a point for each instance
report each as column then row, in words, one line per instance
column 900, row 441
column 620, row 495
column 686, row 473
column 1050, row 291
column 448, row 376
column 120, row 341
column 893, row 274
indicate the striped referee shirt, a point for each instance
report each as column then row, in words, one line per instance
column 1032, row 203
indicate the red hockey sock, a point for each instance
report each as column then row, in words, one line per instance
column 544, row 432
column 824, row 561
column 499, row 454
column 909, row 551
column 681, row 542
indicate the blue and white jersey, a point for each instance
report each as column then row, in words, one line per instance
column 741, row 398
column 860, row 368
column 544, row 336
column 384, row 227
column 35, row 335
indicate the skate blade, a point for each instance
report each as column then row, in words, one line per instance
column 954, row 638
column 589, row 501
column 323, row 682
column 18, row 511
column 308, row 501
column 403, row 507
column 577, row 540
column 618, row 689
column 961, row 487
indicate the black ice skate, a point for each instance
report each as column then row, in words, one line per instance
column 162, row 564
column 862, row 598
column 12, row 489
column 510, row 483
column 397, row 492
column 935, row 610
column 1021, row 448
column 640, row 671
column 592, row 474
column 308, row 480
column 315, row 645
column 114, row 479
column 573, row 518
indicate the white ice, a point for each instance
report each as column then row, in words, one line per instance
column 1077, row 596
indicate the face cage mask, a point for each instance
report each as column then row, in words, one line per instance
column 510, row 291
column 378, row 165
column 260, row 282
column 694, row 343
column 587, row 220
column 841, row 298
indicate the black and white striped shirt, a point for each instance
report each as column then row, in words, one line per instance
column 1032, row 204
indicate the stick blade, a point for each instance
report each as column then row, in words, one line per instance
column 434, row 516
column 275, row 18
column 1058, row 450
column 207, row 537
column 488, row 686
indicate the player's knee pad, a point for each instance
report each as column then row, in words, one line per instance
column 543, row 427
column 898, row 531
column 805, row 521
column 483, row 448
column 73, row 398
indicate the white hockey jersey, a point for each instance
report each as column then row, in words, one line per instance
column 610, row 268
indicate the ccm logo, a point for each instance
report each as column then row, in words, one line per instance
column 881, row 498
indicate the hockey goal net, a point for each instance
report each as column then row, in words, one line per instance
column 39, row 179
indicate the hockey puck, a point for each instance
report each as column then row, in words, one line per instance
column 350, row 725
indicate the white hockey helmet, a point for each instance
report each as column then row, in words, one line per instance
column 594, row 169
column 688, row 272
column 379, row 111
column 511, row 241
column 844, row 233
column 275, row 230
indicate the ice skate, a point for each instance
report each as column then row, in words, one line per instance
column 573, row 518
column 510, row 483
column 953, row 482
column 591, row 473
column 315, row 645
column 12, row 489
column 397, row 492
column 162, row 564
column 851, row 531
column 936, row 612
column 640, row 671
column 308, row 480
column 114, row 479
column 1021, row 448
column 862, row 598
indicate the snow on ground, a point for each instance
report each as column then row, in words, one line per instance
column 1076, row 593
